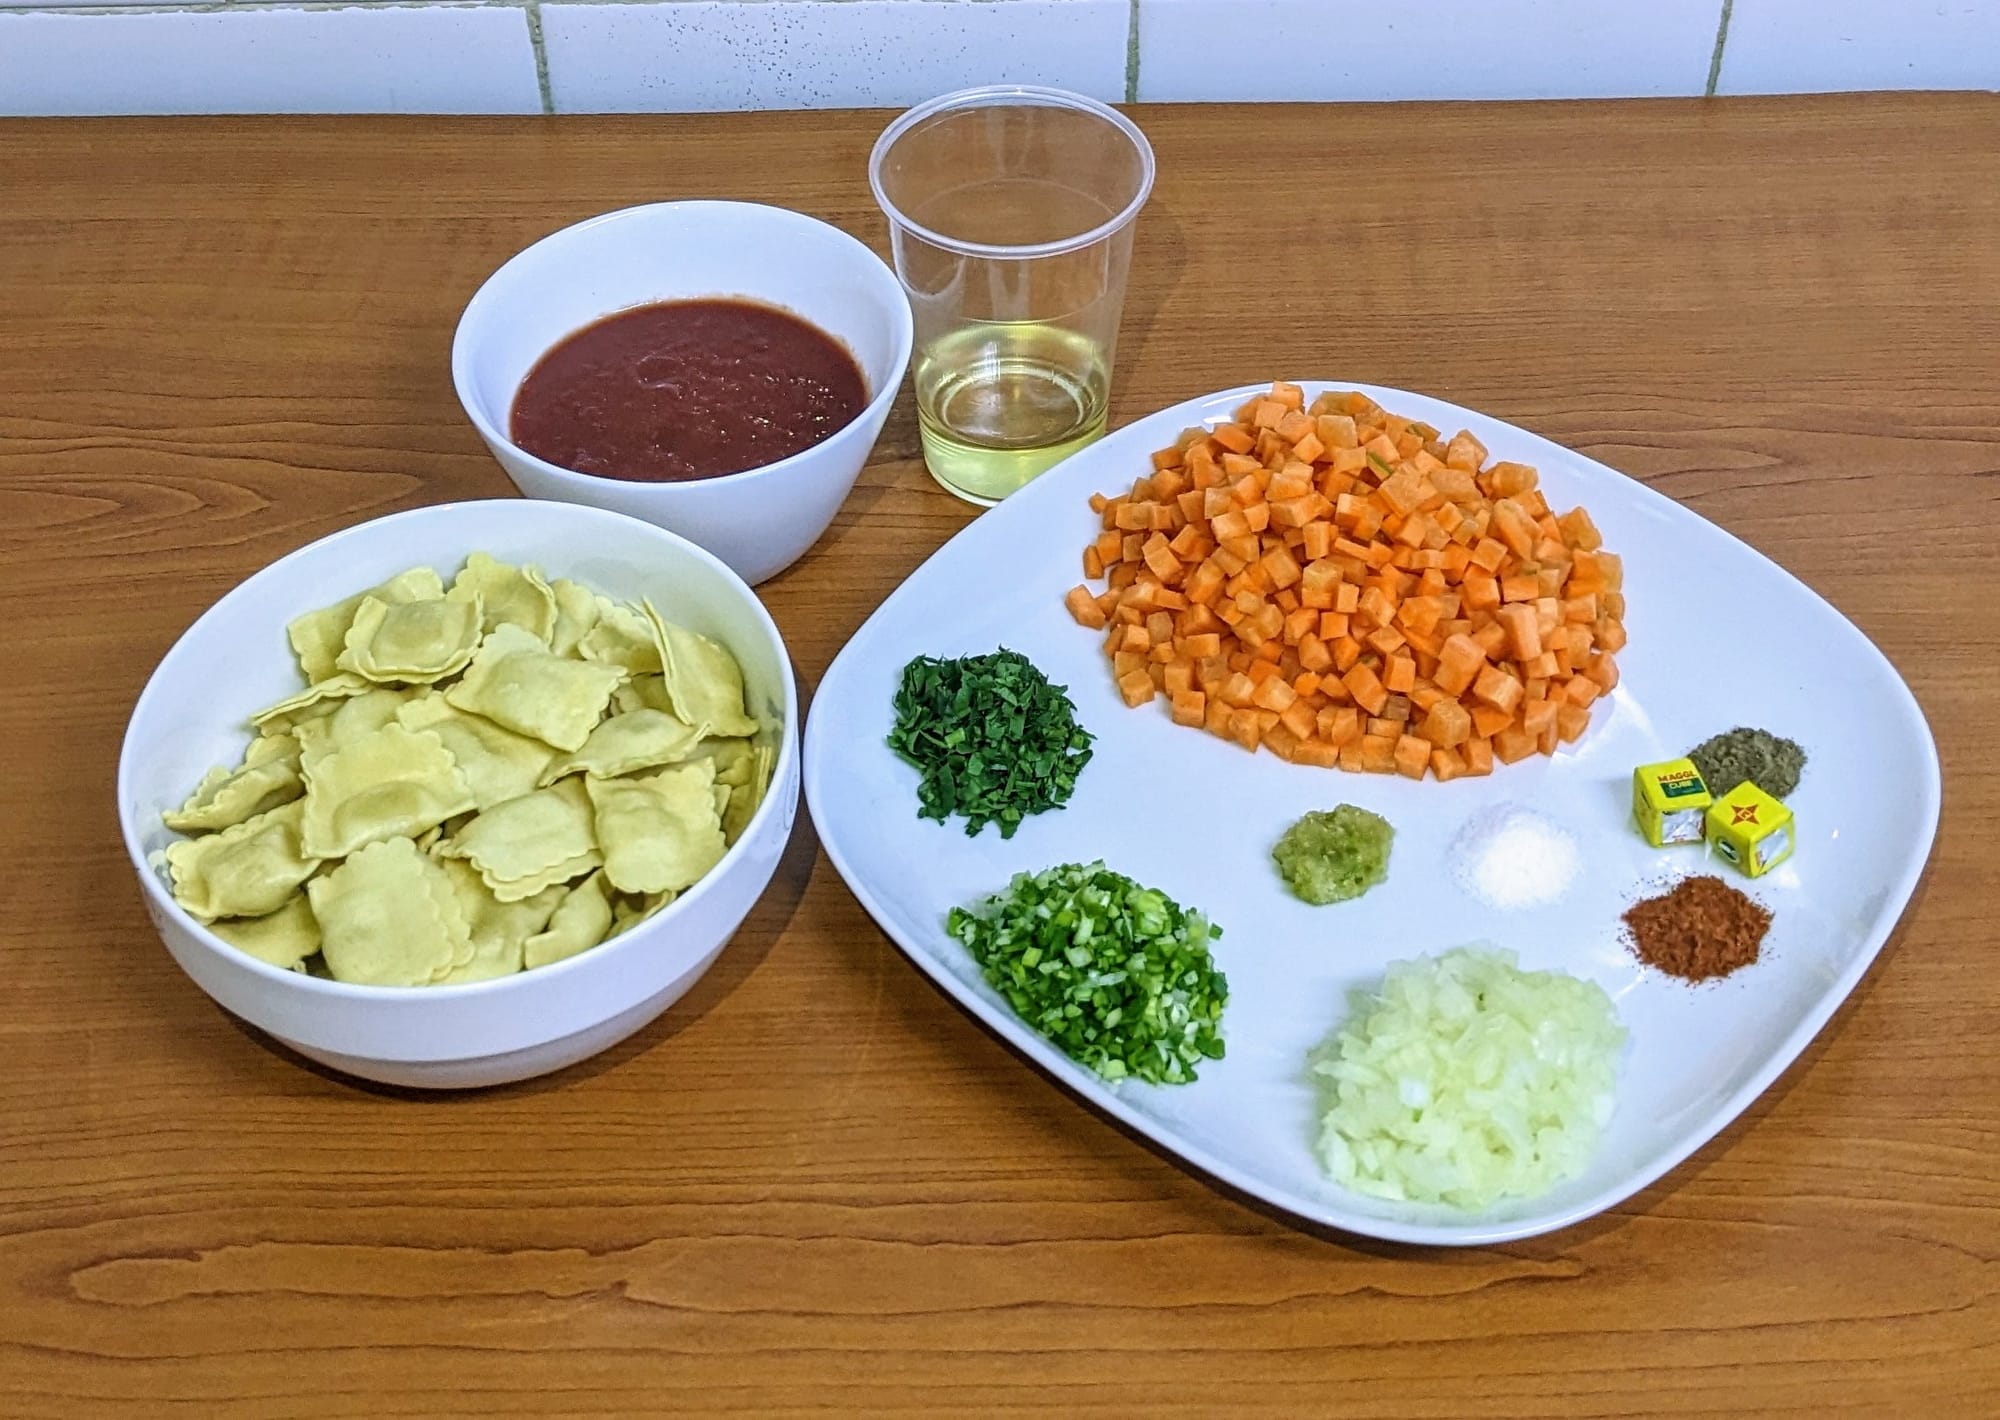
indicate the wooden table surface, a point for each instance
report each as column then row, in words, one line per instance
column 815, row 1187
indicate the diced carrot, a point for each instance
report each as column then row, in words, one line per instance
column 1523, row 632
column 1488, row 720
column 1509, row 480
column 1137, row 687
column 1246, row 729
column 1337, row 724
column 1537, row 716
column 1273, row 693
column 1513, row 526
column 1083, row 606
column 1316, row 753
column 1386, row 639
column 1448, row 723
column 1282, row 575
column 1581, row 691
column 1497, row 688
column 1376, row 607
column 1480, row 592
column 1282, row 742
column 1459, row 661
column 1299, row 718
column 1377, row 754
column 1366, row 688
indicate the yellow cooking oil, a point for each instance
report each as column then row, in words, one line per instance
column 999, row 402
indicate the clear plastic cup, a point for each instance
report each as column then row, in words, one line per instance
column 1010, row 214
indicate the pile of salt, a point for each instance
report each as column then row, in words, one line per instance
column 1513, row 858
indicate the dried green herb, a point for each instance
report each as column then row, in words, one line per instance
column 1117, row 975
column 993, row 739
column 1771, row 763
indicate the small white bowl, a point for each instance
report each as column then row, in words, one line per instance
column 234, row 660
column 759, row 521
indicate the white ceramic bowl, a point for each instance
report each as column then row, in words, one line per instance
column 233, row 660
column 759, row 521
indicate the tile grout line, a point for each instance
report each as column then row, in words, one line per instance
column 534, row 9
column 1715, row 59
column 1132, row 53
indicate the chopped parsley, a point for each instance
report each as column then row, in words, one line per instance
column 993, row 739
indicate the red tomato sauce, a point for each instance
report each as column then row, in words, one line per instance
column 684, row 390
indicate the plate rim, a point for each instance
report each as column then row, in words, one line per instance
column 1072, row 1078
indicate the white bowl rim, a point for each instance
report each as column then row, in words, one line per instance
column 149, row 877
column 461, row 343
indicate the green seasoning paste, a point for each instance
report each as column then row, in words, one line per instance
column 1758, row 756
column 1331, row 857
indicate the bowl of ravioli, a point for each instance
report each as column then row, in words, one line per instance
column 465, row 794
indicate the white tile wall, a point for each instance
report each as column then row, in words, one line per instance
column 698, row 55
column 419, row 59
column 302, row 56
column 1423, row 49
column 1823, row 46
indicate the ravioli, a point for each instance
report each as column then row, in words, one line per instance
column 576, row 613
column 621, row 637
column 518, row 682
column 507, row 595
column 703, row 680
column 580, row 922
column 320, row 698
column 745, row 800
column 390, row 783
column 523, row 840
column 421, row 641
column 472, row 783
column 622, row 744
column 352, row 719
column 658, row 834
column 628, row 912
column 246, row 870
column 318, row 637
column 643, row 692
column 498, row 764
column 389, row 916
column 498, row 928
column 284, row 938
column 267, row 777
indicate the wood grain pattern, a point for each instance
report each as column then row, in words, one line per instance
column 815, row 1188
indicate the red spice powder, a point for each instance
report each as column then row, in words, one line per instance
column 1702, row 929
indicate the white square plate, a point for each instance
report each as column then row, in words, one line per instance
column 1720, row 636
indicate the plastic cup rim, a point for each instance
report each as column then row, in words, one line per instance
column 992, row 96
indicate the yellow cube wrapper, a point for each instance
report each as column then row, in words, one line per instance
column 1668, row 800
column 1750, row 829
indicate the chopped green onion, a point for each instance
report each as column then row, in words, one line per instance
column 1116, row 975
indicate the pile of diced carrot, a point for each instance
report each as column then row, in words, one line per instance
column 1345, row 588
